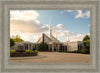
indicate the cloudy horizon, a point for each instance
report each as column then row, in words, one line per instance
column 30, row 24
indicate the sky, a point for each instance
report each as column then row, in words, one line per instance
column 66, row 25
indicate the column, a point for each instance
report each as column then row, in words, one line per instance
column 65, row 48
column 31, row 46
column 58, row 47
column 52, row 47
column 24, row 47
column 49, row 47
column 28, row 46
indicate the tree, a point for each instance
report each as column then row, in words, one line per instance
column 87, row 37
column 87, row 44
column 17, row 38
column 86, row 41
column 12, row 43
column 43, row 47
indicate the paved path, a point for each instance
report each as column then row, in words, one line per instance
column 53, row 57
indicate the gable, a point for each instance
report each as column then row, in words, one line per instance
column 54, row 39
column 44, row 38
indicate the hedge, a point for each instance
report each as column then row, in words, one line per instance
column 78, row 51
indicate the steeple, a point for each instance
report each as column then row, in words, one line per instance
column 50, row 30
column 68, row 37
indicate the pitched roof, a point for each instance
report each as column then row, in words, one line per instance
column 54, row 39
column 46, row 39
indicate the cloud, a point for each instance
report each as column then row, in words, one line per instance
column 59, row 34
column 66, row 11
column 24, row 14
column 62, row 35
column 77, row 37
column 69, row 10
column 80, row 14
column 60, row 26
column 30, row 37
column 26, row 22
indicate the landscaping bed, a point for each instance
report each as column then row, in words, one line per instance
column 23, row 54
column 14, row 53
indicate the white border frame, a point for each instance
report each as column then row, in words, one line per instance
column 7, row 5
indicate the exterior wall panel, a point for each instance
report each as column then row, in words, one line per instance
column 72, row 46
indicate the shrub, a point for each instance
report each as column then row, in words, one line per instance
column 85, row 51
column 33, row 49
column 36, row 51
column 43, row 47
column 69, row 51
column 60, row 51
column 76, row 51
column 28, row 51
column 12, row 51
column 20, row 47
column 20, row 50
column 72, row 51
column 12, row 43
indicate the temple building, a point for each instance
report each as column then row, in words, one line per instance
column 52, row 42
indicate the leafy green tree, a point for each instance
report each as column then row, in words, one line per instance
column 86, row 41
column 87, row 37
column 87, row 44
column 12, row 43
column 17, row 38
column 43, row 47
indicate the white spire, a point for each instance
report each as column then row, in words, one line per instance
column 50, row 30
column 68, row 37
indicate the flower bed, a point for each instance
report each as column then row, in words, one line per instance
column 23, row 54
column 13, row 53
